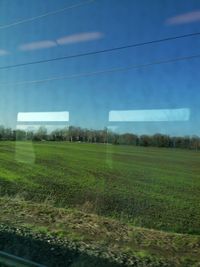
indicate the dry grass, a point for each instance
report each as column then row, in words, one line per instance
column 99, row 231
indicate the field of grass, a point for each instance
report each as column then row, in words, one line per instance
column 133, row 206
column 155, row 188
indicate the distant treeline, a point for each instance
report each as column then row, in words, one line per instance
column 77, row 134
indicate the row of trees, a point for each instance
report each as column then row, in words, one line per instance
column 77, row 134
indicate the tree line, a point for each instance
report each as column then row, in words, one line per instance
column 78, row 134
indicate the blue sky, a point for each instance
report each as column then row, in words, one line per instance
column 95, row 26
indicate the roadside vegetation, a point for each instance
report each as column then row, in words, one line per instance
column 99, row 236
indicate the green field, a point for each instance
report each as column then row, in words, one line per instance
column 147, row 187
column 130, row 205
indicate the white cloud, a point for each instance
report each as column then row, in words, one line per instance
column 80, row 37
column 184, row 18
column 37, row 45
column 3, row 52
column 65, row 40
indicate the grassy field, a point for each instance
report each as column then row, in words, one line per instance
column 147, row 187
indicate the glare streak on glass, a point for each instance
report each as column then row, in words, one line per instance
column 35, row 127
column 42, row 116
column 151, row 115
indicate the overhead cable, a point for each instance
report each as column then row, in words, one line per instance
column 112, row 70
column 99, row 51
column 22, row 21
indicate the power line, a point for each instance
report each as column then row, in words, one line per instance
column 113, row 70
column 99, row 51
column 44, row 15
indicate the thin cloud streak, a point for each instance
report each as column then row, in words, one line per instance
column 37, row 45
column 3, row 52
column 80, row 37
column 185, row 18
column 65, row 40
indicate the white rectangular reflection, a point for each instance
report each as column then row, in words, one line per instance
column 151, row 115
column 43, row 116
column 35, row 127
